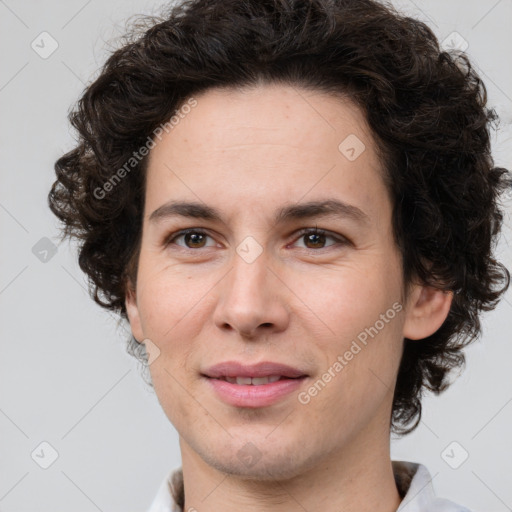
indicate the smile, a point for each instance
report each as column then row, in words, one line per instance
column 253, row 386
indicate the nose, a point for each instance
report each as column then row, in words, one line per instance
column 252, row 300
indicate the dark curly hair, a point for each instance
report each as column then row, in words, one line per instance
column 426, row 108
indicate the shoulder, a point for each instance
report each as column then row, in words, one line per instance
column 414, row 483
column 169, row 497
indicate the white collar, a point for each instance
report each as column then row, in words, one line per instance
column 412, row 479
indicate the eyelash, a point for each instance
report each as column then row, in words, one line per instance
column 340, row 240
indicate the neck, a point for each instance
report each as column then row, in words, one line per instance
column 357, row 479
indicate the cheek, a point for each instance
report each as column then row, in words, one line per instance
column 347, row 299
column 170, row 386
column 172, row 307
column 167, row 297
column 359, row 376
column 358, row 312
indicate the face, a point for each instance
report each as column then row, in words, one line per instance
column 288, row 270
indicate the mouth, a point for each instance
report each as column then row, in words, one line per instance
column 264, row 370
column 253, row 386
column 253, row 381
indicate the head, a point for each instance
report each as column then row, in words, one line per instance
column 246, row 123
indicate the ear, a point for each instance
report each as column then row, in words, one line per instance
column 427, row 309
column 132, row 311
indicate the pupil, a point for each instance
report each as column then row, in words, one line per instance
column 195, row 239
column 316, row 239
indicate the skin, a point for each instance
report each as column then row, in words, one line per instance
column 301, row 302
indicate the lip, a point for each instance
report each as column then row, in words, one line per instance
column 251, row 396
column 263, row 369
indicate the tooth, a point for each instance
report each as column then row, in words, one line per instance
column 255, row 381
column 258, row 381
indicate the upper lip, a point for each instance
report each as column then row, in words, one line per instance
column 262, row 369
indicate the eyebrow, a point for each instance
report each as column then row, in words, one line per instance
column 325, row 208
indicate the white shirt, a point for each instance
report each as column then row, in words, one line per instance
column 413, row 482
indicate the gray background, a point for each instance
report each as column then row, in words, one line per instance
column 65, row 378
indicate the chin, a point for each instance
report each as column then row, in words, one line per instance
column 268, row 464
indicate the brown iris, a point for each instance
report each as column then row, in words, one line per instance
column 195, row 240
column 316, row 239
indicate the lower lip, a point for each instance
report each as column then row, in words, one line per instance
column 254, row 396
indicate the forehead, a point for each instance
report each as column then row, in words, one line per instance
column 263, row 145
column 269, row 114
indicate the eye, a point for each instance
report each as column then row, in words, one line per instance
column 315, row 238
column 309, row 238
column 190, row 239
